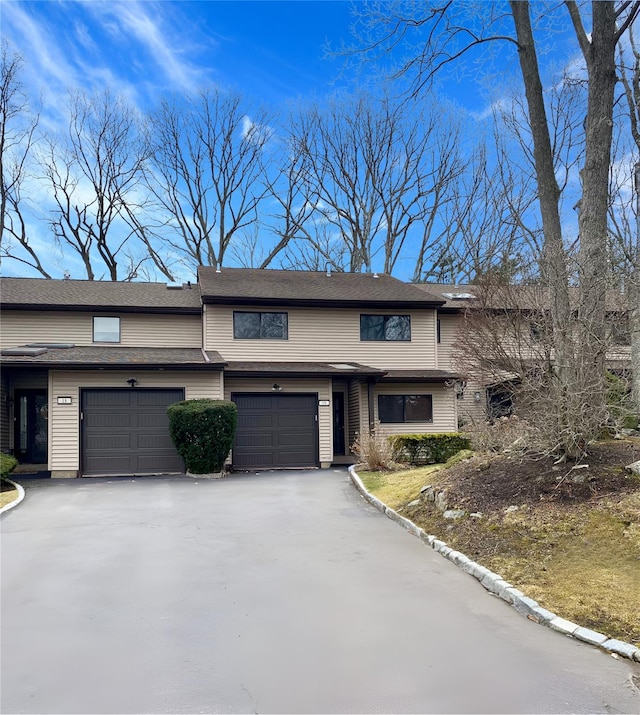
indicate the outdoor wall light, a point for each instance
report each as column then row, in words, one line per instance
column 132, row 382
column 476, row 396
column 275, row 387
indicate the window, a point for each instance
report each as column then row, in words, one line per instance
column 253, row 326
column 405, row 408
column 385, row 327
column 438, row 330
column 106, row 330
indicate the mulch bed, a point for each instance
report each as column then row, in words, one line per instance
column 495, row 482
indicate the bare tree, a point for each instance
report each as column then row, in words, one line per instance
column 579, row 350
column 94, row 174
column 374, row 174
column 624, row 214
column 209, row 159
column 293, row 192
column 17, row 134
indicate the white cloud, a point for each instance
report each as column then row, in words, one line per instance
column 146, row 23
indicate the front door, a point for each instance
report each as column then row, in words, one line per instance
column 338, row 423
column 31, row 426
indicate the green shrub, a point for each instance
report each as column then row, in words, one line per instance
column 427, row 448
column 7, row 464
column 202, row 432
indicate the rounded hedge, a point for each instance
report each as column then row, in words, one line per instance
column 202, row 432
column 7, row 464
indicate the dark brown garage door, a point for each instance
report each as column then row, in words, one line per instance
column 127, row 432
column 276, row 431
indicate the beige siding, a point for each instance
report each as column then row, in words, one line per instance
column 449, row 326
column 470, row 409
column 322, row 386
column 357, row 410
column 64, row 420
column 137, row 329
column 325, row 335
column 444, row 408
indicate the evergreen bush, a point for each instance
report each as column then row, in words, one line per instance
column 202, row 432
column 7, row 464
column 427, row 448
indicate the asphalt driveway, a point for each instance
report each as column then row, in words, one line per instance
column 278, row 592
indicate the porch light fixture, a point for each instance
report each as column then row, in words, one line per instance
column 476, row 396
column 132, row 382
column 275, row 387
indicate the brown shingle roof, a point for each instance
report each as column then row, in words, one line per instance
column 277, row 287
column 44, row 294
column 506, row 297
column 114, row 357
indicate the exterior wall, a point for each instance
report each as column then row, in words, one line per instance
column 449, row 326
column 471, row 410
column 323, row 386
column 64, row 420
column 445, row 418
column 325, row 335
column 136, row 329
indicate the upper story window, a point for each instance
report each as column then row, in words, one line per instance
column 253, row 326
column 405, row 408
column 385, row 327
column 106, row 330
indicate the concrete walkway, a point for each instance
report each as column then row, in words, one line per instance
column 279, row 592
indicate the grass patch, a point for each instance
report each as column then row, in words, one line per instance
column 8, row 493
column 397, row 488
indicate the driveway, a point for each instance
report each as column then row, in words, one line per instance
column 277, row 592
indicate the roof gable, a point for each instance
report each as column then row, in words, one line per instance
column 250, row 286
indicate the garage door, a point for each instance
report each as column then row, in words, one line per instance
column 276, row 431
column 127, row 432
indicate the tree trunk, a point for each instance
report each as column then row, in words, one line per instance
column 554, row 264
column 599, row 53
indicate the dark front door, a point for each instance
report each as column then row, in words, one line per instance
column 338, row 423
column 276, row 430
column 126, row 431
column 31, row 426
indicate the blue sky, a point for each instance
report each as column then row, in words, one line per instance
column 274, row 53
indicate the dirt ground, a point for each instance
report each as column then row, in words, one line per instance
column 494, row 482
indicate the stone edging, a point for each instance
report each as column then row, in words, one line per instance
column 496, row 585
column 15, row 502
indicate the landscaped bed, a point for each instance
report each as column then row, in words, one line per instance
column 568, row 537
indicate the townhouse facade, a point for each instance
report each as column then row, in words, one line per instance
column 310, row 359
column 481, row 395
